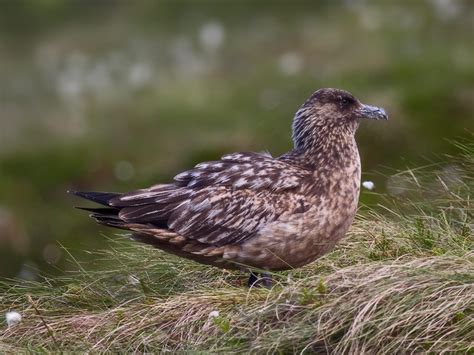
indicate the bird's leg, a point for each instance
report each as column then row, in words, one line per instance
column 267, row 281
column 253, row 278
column 262, row 279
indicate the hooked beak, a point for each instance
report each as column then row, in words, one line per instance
column 372, row 112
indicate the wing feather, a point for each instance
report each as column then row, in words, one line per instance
column 220, row 202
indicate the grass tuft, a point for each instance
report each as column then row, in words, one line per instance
column 403, row 281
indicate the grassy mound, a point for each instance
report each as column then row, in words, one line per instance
column 424, row 304
column 403, row 281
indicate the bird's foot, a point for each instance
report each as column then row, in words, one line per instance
column 260, row 280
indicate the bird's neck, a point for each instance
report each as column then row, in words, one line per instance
column 317, row 137
column 336, row 152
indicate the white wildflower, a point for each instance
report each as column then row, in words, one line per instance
column 212, row 35
column 133, row 280
column 369, row 185
column 290, row 63
column 447, row 9
column 214, row 314
column 12, row 318
column 139, row 75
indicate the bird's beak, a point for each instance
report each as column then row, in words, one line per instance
column 372, row 112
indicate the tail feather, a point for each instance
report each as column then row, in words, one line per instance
column 102, row 198
column 103, row 211
column 103, row 215
column 109, row 215
column 110, row 221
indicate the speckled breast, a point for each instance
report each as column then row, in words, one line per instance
column 298, row 239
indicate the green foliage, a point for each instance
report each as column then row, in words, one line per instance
column 222, row 323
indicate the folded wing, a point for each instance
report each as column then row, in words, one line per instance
column 220, row 202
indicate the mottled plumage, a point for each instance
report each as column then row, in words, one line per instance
column 250, row 209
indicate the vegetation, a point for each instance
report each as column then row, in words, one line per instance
column 403, row 281
column 117, row 95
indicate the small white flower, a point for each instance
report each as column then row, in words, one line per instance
column 369, row 185
column 214, row 314
column 12, row 318
column 212, row 35
column 290, row 63
column 133, row 280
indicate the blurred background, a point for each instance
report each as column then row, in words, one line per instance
column 116, row 95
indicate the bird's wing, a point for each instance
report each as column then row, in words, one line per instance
column 220, row 202
column 253, row 171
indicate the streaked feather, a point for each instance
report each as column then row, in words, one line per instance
column 250, row 207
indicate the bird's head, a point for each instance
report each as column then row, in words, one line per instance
column 331, row 113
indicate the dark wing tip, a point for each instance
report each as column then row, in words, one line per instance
column 101, row 210
column 102, row 198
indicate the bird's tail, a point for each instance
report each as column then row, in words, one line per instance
column 104, row 215
column 102, row 198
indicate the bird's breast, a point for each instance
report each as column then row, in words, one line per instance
column 299, row 238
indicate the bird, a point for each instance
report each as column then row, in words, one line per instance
column 252, row 211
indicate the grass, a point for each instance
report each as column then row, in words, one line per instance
column 402, row 282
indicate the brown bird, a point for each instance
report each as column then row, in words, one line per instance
column 250, row 210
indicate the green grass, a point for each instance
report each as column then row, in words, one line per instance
column 403, row 281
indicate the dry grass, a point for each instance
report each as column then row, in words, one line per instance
column 402, row 282
column 421, row 304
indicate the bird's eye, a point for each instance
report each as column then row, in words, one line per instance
column 345, row 101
